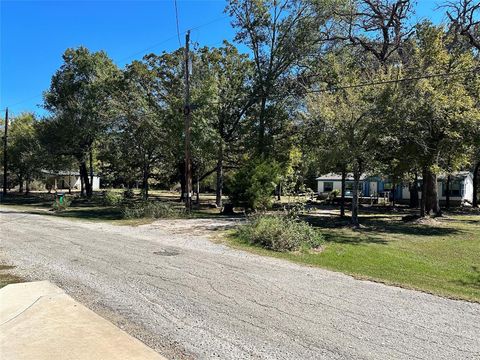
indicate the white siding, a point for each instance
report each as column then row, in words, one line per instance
column 337, row 185
column 468, row 189
column 96, row 183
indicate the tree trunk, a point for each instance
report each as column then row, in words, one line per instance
column 261, row 127
column 20, row 185
column 91, row 170
column 342, row 195
column 431, row 199
column 219, row 189
column 86, row 180
column 424, row 192
column 27, row 186
column 356, row 182
column 413, row 188
column 447, row 192
column 197, row 190
column 146, row 175
column 183, row 186
column 82, row 184
column 476, row 175
column 393, row 195
column 279, row 191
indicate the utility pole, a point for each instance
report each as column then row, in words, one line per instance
column 187, row 112
column 5, row 156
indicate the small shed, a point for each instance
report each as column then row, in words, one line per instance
column 67, row 180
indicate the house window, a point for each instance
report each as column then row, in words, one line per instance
column 327, row 186
column 349, row 185
column 455, row 188
column 387, row 186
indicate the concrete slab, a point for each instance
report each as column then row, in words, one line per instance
column 40, row 321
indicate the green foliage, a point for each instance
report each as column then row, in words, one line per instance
column 280, row 233
column 24, row 150
column 152, row 210
column 112, row 198
column 253, row 185
column 333, row 194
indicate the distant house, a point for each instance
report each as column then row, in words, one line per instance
column 461, row 187
column 66, row 180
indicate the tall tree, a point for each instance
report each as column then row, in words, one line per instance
column 232, row 76
column 348, row 116
column 279, row 35
column 464, row 18
column 78, row 99
column 26, row 153
column 379, row 27
column 440, row 112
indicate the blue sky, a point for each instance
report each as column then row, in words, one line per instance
column 34, row 34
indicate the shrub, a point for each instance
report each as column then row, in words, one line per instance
column 112, row 198
column 253, row 185
column 128, row 194
column 151, row 209
column 334, row 194
column 294, row 211
column 280, row 233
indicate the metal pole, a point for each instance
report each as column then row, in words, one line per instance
column 5, row 156
column 187, row 112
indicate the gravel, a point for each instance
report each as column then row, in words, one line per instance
column 190, row 298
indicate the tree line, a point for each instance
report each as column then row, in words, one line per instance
column 325, row 86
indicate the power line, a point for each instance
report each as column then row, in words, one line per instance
column 143, row 51
column 374, row 83
column 176, row 18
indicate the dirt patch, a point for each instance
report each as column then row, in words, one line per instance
column 6, row 277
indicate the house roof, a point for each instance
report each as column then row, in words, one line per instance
column 338, row 177
column 456, row 175
column 63, row 173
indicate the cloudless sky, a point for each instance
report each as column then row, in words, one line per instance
column 34, row 34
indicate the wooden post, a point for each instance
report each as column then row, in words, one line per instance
column 5, row 156
column 187, row 112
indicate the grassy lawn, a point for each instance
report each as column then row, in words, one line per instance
column 94, row 210
column 441, row 258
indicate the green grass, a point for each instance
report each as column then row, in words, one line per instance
column 441, row 258
column 94, row 209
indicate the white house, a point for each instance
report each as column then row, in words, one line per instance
column 67, row 180
column 461, row 186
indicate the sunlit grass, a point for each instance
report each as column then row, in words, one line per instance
column 443, row 259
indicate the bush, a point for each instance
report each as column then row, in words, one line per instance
column 112, row 198
column 150, row 209
column 280, row 233
column 334, row 194
column 128, row 194
column 254, row 184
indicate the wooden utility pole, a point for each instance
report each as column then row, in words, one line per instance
column 5, row 156
column 187, row 111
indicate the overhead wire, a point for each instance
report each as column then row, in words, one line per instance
column 176, row 18
column 140, row 52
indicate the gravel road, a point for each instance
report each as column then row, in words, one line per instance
column 189, row 298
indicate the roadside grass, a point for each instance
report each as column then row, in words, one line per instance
column 441, row 258
column 6, row 277
column 95, row 210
